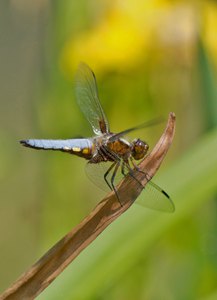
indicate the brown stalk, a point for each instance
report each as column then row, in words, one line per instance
column 43, row 272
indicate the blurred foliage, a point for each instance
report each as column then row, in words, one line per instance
column 150, row 57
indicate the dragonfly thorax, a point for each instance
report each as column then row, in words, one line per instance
column 139, row 149
column 120, row 147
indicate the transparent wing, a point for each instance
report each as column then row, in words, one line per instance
column 152, row 196
column 143, row 125
column 96, row 172
column 88, row 99
column 155, row 198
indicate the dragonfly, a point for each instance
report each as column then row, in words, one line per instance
column 111, row 156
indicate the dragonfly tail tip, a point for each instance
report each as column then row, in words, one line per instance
column 24, row 142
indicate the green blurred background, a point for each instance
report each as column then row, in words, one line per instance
column 150, row 58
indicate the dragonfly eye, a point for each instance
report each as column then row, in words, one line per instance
column 140, row 149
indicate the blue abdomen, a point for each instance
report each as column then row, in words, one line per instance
column 80, row 147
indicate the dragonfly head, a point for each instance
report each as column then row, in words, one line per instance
column 139, row 149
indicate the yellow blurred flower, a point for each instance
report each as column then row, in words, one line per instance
column 129, row 31
column 117, row 41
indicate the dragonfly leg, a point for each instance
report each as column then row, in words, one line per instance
column 112, row 180
column 147, row 176
column 106, row 174
column 131, row 172
column 122, row 169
